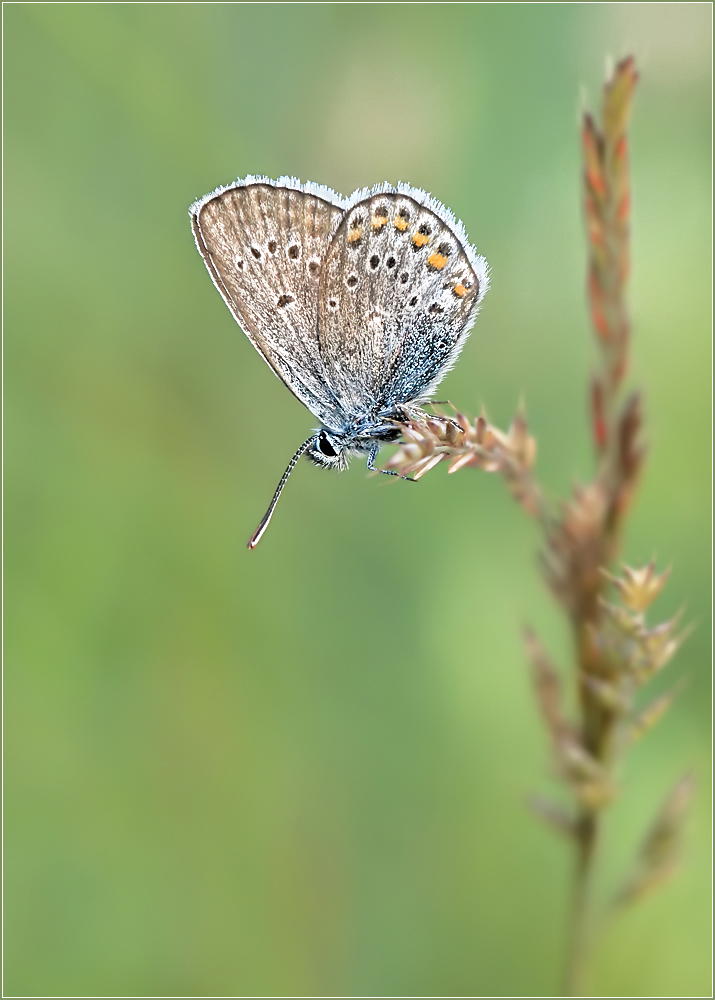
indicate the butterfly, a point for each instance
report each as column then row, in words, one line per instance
column 360, row 305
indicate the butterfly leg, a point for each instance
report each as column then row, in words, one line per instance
column 441, row 416
column 400, row 415
column 386, row 472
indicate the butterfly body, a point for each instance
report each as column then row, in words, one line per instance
column 359, row 305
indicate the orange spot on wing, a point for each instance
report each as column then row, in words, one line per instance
column 379, row 221
column 355, row 234
column 401, row 223
column 419, row 239
column 460, row 289
column 437, row 260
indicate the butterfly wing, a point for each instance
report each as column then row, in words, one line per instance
column 399, row 291
column 264, row 245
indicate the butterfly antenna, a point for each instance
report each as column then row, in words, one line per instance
column 258, row 533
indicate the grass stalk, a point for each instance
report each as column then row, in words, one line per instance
column 615, row 652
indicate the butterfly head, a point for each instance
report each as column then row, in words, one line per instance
column 328, row 450
column 332, row 450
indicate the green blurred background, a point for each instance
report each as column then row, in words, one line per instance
column 302, row 771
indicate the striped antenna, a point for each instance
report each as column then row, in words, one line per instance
column 258, row 533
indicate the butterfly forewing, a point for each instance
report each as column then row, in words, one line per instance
column 264, row 247
column 398, row 294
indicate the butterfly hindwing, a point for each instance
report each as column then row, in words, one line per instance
column 399, row 291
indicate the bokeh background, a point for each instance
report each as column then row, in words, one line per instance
column 302, row 771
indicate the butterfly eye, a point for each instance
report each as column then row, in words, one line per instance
column 325, row 446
